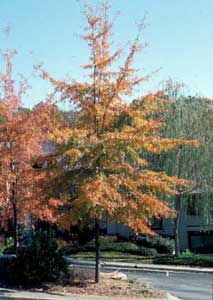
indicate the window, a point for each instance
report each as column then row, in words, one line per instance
column 157, row 223
column 193, row 205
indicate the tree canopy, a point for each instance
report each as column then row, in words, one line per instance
column 101, row 149
column 22, row 134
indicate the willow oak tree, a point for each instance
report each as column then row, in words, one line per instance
column 189, row 118
column 102, row 147
column 22, row 133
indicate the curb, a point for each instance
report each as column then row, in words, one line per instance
column 31, row 297
column 22, row 297
column 77, row 297
column 142, row 267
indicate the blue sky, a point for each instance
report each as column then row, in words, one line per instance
column 179, row 34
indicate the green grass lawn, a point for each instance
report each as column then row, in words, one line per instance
column 111, row 256
column 114, row 256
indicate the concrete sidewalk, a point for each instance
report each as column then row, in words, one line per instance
column 9, row 294
column 139, row 266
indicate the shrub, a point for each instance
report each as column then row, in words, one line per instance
column 128, row 247
column 1, row 244
column 187, row 253
column 5, row 262
column 9, row 247
column 108, row 238
column 162, row 245
column 145, row 251
column 40, row 262
column 123, row 247
column 193, row 260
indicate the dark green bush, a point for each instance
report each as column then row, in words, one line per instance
column 129, row 247
column 193, row 260
column 123, row 247
column 9, row 250
column 162, row 245
column 40, row 262
column 9, row 247
column 5, row 262
column 144, row 251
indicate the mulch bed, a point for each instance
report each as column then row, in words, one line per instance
column 82, row 282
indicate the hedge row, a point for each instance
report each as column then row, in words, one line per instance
column 123, row 247
column 162, row 245
column 143, row 245
column 193, row 260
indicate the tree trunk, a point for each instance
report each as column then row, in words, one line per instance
column 30, row 226
column 97, row 245
column 177, row 224
column 15, row 216
column 15, row 226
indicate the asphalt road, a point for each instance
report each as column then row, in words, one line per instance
column 184, row 285
column 187, row 286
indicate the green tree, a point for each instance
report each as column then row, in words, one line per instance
column 189, row 118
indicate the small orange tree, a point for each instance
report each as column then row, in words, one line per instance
column 22, row 134
column 102, row 148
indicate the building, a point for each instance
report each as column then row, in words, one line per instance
column 195, row 234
